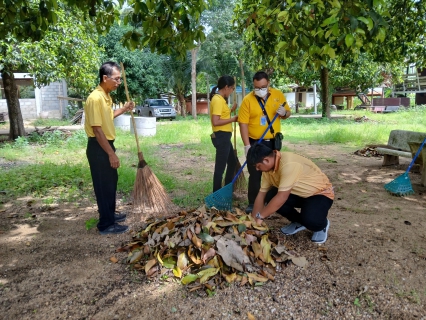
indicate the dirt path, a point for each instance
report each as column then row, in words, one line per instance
column 372, row 267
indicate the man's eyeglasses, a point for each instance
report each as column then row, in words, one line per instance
column 118, row 79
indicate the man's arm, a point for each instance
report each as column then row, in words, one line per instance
column 244, row 133
column 273, row 205
column 128, row 106
column 103, row 142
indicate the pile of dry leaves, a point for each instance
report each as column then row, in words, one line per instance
column 207, row 248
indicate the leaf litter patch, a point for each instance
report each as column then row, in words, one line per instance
column 208, row 249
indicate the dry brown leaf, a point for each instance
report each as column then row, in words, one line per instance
column 196, row 241
column 250, row 316
column 210, row 253
column 244, row 280
column 113, row 259
column 197, row 228
column 149, row 265
column 299, row 261
column 232, row 254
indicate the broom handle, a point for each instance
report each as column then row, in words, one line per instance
column 131, row 112
column 416, row 155
column 235, row 125
column 257, row 142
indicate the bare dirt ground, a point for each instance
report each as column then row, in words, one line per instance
column 372, row 266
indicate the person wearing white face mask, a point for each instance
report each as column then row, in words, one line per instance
column 257, row 109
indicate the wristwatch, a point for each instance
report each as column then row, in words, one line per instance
column 258, row 216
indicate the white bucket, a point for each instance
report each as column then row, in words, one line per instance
column 123, row 122
column 44, row 114
column 145, row 126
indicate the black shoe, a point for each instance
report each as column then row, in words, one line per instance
column 119, row 217
column 249, row 208
column 114, row 229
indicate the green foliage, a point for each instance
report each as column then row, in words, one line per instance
column 91, row 223
column 168, row 27
column 144, row 73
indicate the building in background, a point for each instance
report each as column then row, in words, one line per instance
column 37, row 102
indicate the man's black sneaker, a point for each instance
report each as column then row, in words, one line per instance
column 119, row 217
column 114, row 229
column 292, row 228
column 249, row 208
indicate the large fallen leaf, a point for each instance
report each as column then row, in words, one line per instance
column 266, row 250
column 189, row 278
column 257, row 277
column 299, row 261
column 230, row 277
column 206, row 237
column 182, row 261
column 136, row 256
column 149, row 265
column 207, row 273
column 177, row 272
column 232, row 254
column 210, row 253
column 250, row 316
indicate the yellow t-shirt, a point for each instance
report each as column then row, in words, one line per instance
column 219, row 107
column 299, row 174
column 99, row 113
column 251, row 113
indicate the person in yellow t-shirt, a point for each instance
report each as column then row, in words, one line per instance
column 103, row 161
column 220, row 116
column 253, row 123
column 297, row 183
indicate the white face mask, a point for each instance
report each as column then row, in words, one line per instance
column 261, row 93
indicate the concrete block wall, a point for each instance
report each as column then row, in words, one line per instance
column 28, row 108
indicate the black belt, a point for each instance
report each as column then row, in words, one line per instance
column 94, row 138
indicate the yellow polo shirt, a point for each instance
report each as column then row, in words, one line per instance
column 299, row 174
column 251, row 113
column 219, row 107
column 99, row 113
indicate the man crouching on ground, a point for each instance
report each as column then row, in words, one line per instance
column 299, row 183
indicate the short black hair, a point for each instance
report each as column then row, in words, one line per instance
column 107, row 68
column 260, row 75
column 257, row 153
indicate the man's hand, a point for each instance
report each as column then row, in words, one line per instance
column 246, row 149
column 113, row 160
column 282, row 111
column 129, row 106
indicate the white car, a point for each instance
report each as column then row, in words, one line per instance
column 159, row 108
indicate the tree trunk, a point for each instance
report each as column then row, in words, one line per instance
column 182, row 104
column 14, row 109
column 243, row 84
column 194, row 82
column 325, row 94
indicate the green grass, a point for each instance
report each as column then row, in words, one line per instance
column 54, row 167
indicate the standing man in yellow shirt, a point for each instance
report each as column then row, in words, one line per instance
column 220, row 115
column 297, row 183
column 256, row 111
column 103, row 161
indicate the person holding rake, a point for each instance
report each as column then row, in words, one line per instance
column 296, row 182
column 221, row 120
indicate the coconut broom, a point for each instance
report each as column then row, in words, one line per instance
column 149, row 195
column 241, row 183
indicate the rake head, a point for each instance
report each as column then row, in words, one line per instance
column 221, row 199
column 401, row 186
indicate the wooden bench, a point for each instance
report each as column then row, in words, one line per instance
column 404, row 143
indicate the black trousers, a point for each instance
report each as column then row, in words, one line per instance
column 104, row 179
column 254, row 175
column 225, row 157
column 313, row 211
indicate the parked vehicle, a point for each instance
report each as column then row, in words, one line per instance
column 159, row 108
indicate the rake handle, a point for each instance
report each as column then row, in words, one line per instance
column 235, row 124
column 257, row 142
column 140, row 156
column 416, row 155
